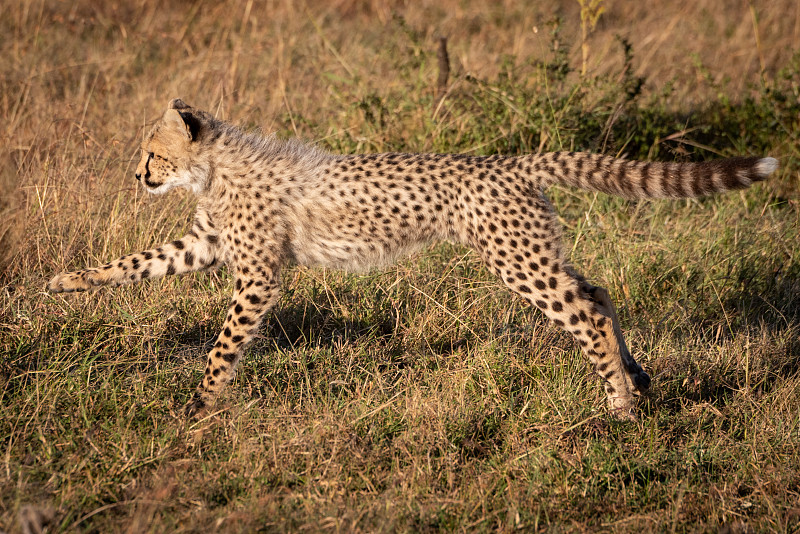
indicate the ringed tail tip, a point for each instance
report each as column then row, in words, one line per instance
column 765, row 166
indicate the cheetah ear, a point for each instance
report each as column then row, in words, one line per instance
column 183, row 122
column 174, row 121
column 177, row 103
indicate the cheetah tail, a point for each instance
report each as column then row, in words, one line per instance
column 640, row 179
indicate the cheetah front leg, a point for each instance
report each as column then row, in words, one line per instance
column 252, row 299
column 192, row 252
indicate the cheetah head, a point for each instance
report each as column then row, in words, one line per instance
column 169, row 152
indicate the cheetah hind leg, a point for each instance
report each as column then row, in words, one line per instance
column 638, row 380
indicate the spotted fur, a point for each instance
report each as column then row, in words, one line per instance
column 263, row 203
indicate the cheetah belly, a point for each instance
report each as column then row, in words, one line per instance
column 345, row 240
column 355, row 255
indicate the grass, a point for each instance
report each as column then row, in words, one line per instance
column 423, row 397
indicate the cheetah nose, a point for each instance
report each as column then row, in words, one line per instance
column 138, row 177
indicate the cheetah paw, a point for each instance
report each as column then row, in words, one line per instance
column 196, row 408
column 69, row 282
column 623, row 408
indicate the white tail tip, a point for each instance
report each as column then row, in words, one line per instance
column 766, row 166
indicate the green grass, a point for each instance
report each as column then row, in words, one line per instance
column 424, row 396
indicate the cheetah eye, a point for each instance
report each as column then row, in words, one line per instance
column 151, row 155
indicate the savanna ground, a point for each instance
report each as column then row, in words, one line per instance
column 422, row 397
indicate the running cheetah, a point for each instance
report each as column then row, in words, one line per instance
column 265, row 202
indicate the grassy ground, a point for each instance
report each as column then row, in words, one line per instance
column 423, row 397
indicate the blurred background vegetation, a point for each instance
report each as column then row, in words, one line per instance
column 423, row 397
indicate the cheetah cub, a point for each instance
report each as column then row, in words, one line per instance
column 264, row 202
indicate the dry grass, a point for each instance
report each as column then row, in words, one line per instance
column 424, row 397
